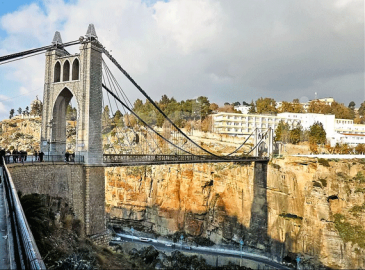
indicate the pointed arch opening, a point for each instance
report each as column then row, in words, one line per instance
column 66, row 71
column 57, row 72
column 64, row 124
column 75, row 69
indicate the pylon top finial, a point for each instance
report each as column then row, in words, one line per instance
column 91, row 33
column 57, row 38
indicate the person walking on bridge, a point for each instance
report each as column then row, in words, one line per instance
column 41, row 154
column 2, row 156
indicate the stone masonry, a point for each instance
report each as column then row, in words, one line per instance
column 78, row 185
column 78, row 76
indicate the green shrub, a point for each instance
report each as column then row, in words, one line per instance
column 275, row 166
column 317, row 184
column 290, row 216
column 360, row 177
column 323, row 181
column 323, row 162
column 348, row 232
column 342, row 176
column 356, row 209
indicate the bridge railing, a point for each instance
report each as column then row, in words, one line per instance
column 127, row 158
column 26, row 252
column 18, row 158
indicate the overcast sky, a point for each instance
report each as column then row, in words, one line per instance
column 227, row 50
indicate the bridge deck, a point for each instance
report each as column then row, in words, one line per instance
column 130, row 160
column 4, row 247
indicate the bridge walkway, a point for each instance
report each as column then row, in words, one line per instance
column 4, row 247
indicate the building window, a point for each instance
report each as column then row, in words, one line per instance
column 75, row 69
column 57, row 72
column 66, row 71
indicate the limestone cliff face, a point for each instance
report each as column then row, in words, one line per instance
column 200, row 199
column 315, row 209
column 22, row 134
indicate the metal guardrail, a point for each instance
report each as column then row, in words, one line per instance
column 18, row 158
column 127, row 158
column 26, row 252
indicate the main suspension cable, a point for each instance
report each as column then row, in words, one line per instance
column 153, row 103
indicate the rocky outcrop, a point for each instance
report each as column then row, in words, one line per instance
column 22, row 134
column 308, row 207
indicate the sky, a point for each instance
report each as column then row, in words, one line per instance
column 236, row 50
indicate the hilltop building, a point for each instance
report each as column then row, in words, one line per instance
column 337, row 130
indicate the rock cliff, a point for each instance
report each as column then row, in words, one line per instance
column 305, row 206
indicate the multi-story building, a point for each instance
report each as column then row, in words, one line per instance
column 237, row 124
column 348, row 132
column 337, row 130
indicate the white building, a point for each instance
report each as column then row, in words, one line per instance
column 337, row 130
column 348, row 132
column 237, row 124
column 243, row 108
column 308, row 119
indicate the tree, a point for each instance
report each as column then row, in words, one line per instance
column 204, row 106
column 118, row 119
column 207, row 124
column 266, row 105
column 36, row 108
column 282, row 132
column 11, row 113
column 252, row 108
column 296, row 135
column 292, row 107
column 213, row 106
column 316, row 106
column 352, row 105
column 341, row 111
column 362, row 109
column 237, row 103
column 20, row 111
column 360, row 149
column 138, row 105
column 227, row 108
column 71, row 113
column 26, row 111
column 245, row 103
column 317, row 134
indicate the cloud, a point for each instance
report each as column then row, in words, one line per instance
column 227, row 50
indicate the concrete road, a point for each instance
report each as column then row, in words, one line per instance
column 166, row 246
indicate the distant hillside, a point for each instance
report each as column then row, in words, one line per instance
column 21, row 134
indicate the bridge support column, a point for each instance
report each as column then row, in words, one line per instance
column 259, row 216
column 95, row 221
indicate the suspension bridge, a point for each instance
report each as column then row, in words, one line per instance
column 86, row 77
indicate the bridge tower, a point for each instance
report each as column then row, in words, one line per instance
column 79, row 76
column 263, row 138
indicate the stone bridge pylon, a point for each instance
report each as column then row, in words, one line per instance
column 76, row 76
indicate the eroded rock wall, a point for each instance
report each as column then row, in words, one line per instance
column 304, row 206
